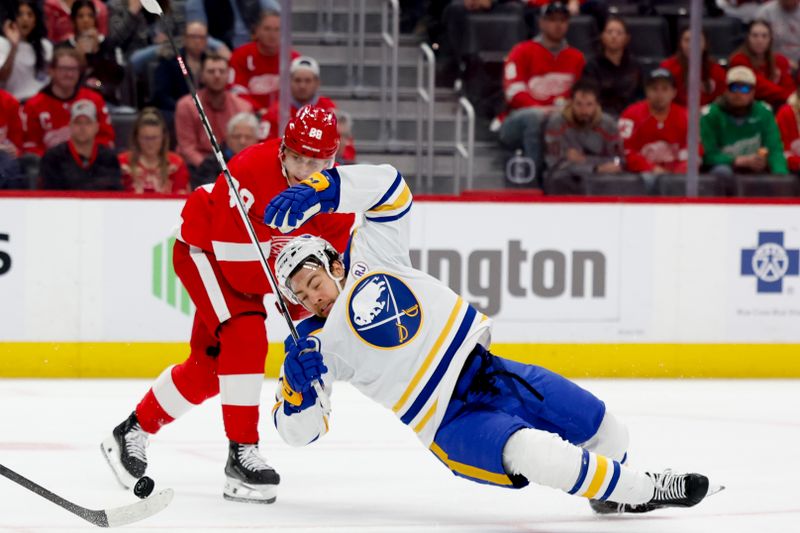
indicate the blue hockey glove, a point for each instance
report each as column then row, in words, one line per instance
column 288, row 210
column 303, row 365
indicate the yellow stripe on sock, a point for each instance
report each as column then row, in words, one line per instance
column 599, row 477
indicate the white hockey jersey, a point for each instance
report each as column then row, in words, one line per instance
column 397, row 334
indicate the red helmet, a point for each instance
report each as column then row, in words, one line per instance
column 312, row 133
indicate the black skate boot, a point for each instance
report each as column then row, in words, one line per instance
column 671, row 490
column 249, row 478
column 125, row 451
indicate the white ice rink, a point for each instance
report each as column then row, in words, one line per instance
column 370, row 474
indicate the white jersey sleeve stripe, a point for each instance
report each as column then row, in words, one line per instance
column 431, row 356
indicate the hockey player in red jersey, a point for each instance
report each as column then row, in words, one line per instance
column 218, row 264
column 654, row 130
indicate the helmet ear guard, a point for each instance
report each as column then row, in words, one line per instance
column 295, row 254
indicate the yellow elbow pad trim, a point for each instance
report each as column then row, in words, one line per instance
column 290, row 395
column 317, row 181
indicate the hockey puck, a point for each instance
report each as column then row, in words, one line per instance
column 144, row 487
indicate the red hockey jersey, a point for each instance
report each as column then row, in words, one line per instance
column 773, row 90
column 256, row 76
column 535, row 76
column 649, row 143
column 211, row 220
column 45, row 118
column 10, row 123
column 787, row 119
column 710, row 92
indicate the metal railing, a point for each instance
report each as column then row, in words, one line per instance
column 356, row 47
column 325, row 21
column 390, row 44
column 426, row 97
column 462, row 150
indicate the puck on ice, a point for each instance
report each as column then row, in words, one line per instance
column 144, row 487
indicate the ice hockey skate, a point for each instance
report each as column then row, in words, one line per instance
column 125, row 451
column 249, row 478
column 671, row 490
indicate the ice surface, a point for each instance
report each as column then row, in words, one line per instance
column 371, row 474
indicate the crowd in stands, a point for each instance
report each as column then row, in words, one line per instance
column 579, row 113
column 66, row 67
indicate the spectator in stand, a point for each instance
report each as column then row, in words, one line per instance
column 614, row 69
column 304, row 86
column 739, row 133
column 597, row 9
column 744, row 10
column 713, row 75
column 653, row 131
column 774, row 83
column 346, row 154
column 581, row 141
column 102, row 61
column 256, row 64
column 10, row 125
column 81, row 163
column 788, row 119
column 538, row 77
column 11, row 175
column 149, row 166
column 46, row 115
column 784, row 17
column 168, row 83
column 230, row 21
column 25, row 52
column 219, row 104
column 59, row 22
column 242, row 131
column 142, row 36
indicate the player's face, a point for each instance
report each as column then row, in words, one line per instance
column 315, row 289
column 304, row 85
column 659, row 95
column 26, row 20
column 268, row 33
column 299, row 167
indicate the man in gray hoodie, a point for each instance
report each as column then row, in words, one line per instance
column 581, row 141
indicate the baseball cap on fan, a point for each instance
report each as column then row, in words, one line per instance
column 555, row 8
column 742, row 75
column 304, row 63
column 83, row 108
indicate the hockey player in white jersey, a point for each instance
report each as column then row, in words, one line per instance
column 407, row 341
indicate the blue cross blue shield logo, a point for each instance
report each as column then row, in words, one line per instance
column 383, row 311
column 770, row 262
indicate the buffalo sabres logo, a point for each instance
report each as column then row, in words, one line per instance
column 383, row 311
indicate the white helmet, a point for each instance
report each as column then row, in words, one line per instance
column 298, row 251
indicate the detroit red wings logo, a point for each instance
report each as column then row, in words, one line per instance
column 660, row 152
column 550, row 85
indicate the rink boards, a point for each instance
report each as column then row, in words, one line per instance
column 586, row 288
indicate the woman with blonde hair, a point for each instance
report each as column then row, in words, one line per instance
column 149, row 166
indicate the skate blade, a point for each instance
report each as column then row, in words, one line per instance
column 238, row 491
column 714, row 489
column 110, row 450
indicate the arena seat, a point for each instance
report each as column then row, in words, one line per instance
column 675, row 185
column 615, row 185
column 583, row 34
column 724, row 34
column 123, row 126
column 649, row 37
column 767, row 186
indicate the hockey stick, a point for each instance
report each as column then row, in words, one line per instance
column 118, row 516
column 152, row 6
